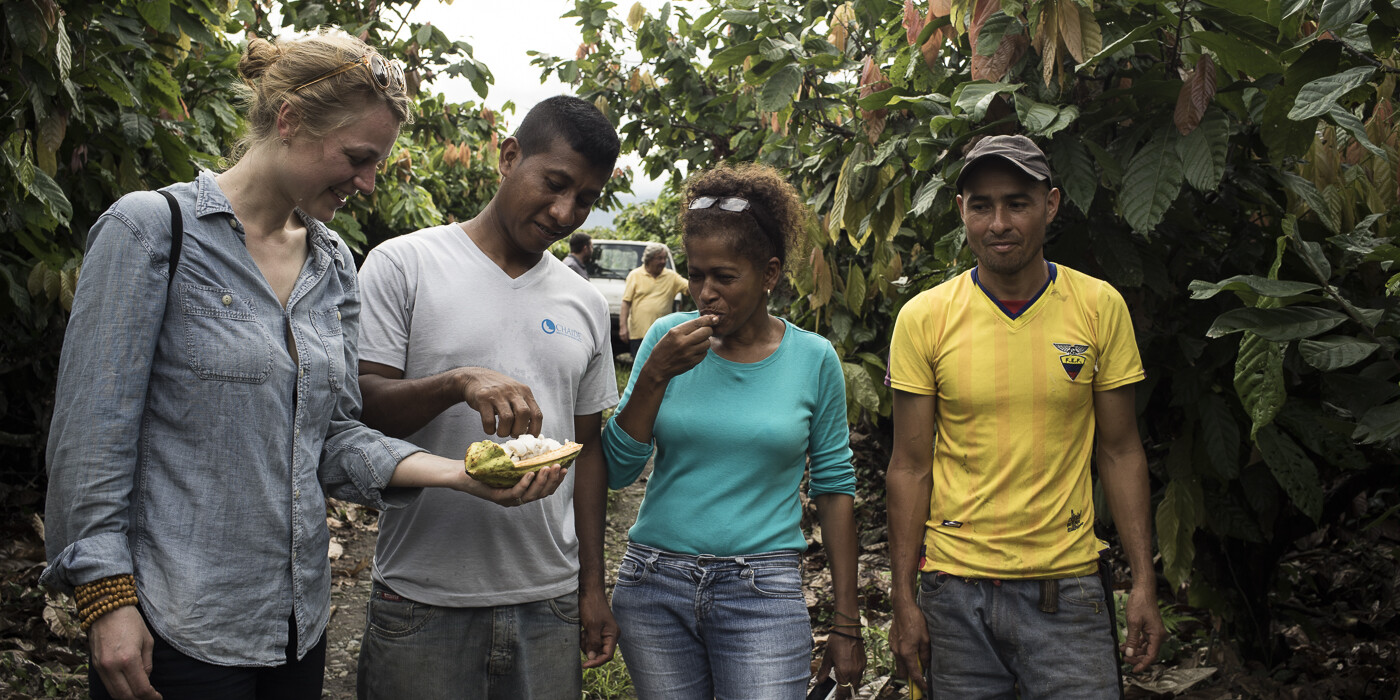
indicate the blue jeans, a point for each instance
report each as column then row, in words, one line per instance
column 702, row 627
column 989, row 639
column 413, row 650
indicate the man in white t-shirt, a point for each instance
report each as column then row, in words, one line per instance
column 470, row 331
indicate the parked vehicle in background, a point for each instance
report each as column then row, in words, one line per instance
column 607, row 270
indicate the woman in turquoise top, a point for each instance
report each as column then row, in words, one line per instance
column 737, row 404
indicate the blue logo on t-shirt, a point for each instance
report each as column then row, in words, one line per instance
column 551, row 328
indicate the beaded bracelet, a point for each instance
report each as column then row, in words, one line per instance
column 104, row 595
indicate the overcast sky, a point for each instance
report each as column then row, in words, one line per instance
column 500, row 33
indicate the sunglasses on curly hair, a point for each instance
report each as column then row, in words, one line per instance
column 735, row 204
column 387, row 75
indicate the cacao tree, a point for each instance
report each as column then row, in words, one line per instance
column 1202, row 146
column 101, row 99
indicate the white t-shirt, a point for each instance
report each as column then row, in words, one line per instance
column 432, row 302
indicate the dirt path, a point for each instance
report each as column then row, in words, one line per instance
column 355, row 529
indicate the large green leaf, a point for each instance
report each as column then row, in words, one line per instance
column 1278, row 325
column 743, row 17
column 1079, row 177
column 1181, row 511
column 855, row 290
column 1151, row 183
column 1307, row 191
column 1035, row 117
column 1122, row 263
column 1220, row 435
column 1380, row 424
column 1291, row 467
column 778, row 90
column 1140, row 32
column 1335, row 352
column 1348, row 121
column 732, row 56
column 155, row 12
column 1262, row 286
column 860, row 388
column 1325, row 437
column 1259, row 379
column 1285, row 137
column 1335, row 14
column 47, row 191
column 837, row 216
column 927, row 193
column 1320, row 96
column 1309, row 251
column 973, row 98
column 1237, row 55
column 1203, row 151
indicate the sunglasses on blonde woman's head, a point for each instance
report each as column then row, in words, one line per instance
column 735, row 204
column 387, row 75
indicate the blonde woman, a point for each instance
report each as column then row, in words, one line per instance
column 208, row 397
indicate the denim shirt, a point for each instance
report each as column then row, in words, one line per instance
column 188, row 446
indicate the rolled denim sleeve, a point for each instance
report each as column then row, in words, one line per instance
column 357, row 461
column 108, row 349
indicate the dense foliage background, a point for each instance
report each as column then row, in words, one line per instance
column 1203, row 147
column 101, row 99
column 1230, row 165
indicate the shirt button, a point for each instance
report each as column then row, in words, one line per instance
column 300, row 371
column 296, row 494
column 337, row 314
column 228, row 299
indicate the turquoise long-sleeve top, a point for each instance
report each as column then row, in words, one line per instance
column 732, row 441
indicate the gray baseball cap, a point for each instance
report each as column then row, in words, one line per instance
column 1019, row 150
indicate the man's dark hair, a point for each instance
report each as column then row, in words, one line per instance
column 579, row 123
column 578, row 241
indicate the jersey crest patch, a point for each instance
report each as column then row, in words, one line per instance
column 1076, row 520
column 1073, row 358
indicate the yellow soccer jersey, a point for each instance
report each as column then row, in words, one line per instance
column 1012, row 496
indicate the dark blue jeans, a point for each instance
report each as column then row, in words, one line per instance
column 989, row 639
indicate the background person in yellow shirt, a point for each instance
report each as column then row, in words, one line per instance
column 1006, row 379
column 649, row 293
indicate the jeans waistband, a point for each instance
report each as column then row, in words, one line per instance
column 652, row 555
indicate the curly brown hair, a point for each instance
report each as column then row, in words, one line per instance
column 772, row 227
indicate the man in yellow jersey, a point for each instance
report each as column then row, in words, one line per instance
column 1004, row 378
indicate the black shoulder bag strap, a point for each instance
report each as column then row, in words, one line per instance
column 177, row 235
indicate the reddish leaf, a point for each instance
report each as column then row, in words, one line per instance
column 930, row 48
column 1197, row 91
column 984, row 10
column 871, row 79
column 995, row 66
column 1067, row 13
column 874, row 124
column 938, row 8
column 913, row 23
